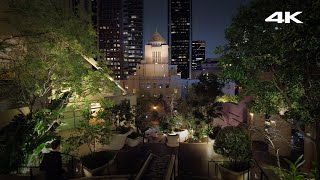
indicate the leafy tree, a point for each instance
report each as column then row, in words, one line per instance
column 95, row 128
column 201, row 99
column 45, row 61
column 277, row 64
column 46, row 53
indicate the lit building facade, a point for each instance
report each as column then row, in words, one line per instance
column 198, row 54
column 120, row 34
column 155, row 74
column 132, row 34
column 180, row 35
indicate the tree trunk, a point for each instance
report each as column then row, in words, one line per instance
column 317, row 135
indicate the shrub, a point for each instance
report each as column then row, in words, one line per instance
column 234, row 144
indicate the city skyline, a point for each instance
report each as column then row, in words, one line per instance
column 209, row 19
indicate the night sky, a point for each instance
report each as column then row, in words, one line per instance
column 210, row 18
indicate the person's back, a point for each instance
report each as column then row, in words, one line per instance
column 52, row 163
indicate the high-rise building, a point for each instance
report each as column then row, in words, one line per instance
column 132, row 34
column 120, row 38
column 180, row 34
column 198, row 54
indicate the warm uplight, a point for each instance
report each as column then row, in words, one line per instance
column 154, row 107
column 251, row 116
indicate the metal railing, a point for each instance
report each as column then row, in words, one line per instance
column 73, row 158
column 171, row 174
column 263, row 175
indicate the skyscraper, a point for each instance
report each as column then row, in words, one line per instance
column 198, row 54
column 180, row 34
column 120, row 27
column 132, row 34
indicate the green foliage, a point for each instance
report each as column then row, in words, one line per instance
column 199, row 133
column 228, row 99
column 315, row 172
column 95, row 129
column 293, row 173
column 277, row 64
column 234, row 144
column 49, row 54
column 166, row 124
column 201, row 99
column 25, row 137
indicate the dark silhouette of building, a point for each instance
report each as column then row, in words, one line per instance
column 198, row 54
column 180, row 34
column 133, row 34
column 120, row 34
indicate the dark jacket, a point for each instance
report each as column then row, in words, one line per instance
column 52, row 165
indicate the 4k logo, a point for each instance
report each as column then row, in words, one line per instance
column 287, row 17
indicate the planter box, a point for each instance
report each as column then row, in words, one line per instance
column 134, row 142
column 117, row 142
column 173, row 140
column 211, row 140
column 97, row 171
column 183, row 135
column 227, row 174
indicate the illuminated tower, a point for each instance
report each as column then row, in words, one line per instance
column 120, row 38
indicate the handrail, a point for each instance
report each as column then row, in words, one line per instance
column 171, row 168
column 262, row 173
column 144, row 167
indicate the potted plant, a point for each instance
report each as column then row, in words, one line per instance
column 134, row 139
column 233, row 143
column 199, row 135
